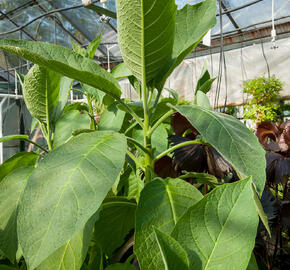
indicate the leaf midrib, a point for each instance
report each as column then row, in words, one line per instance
column 220, row 233
column 64, row 187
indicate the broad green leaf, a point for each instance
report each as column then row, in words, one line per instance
column 202, row 100
column 65, row 62
column 204, row 77
column 173, row 93
column 34, row 123
column 173, row 255
column 19, row 160
column 203, row 178
column 71, row 255
column 219, row 231
column 94, row 92
column 65, row 190
column 40, row 91
column 64, row 90
column 232, row 139
column 131, row 184
column 161, row 204
column 192, row 23
column 120, row 266
column 121, row 71
column 134, row 186
column 252, row 263
column 206, row 86
column 146, row 35
column 69, row 123
column 115, row 220
column 111, row 119
column 93, row 46
column 11, row 190
column 80, row 106
column 78, row 49
column 159, row 139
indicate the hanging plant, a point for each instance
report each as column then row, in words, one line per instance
column 264, row 94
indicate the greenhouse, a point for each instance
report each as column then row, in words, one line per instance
column 150, row 135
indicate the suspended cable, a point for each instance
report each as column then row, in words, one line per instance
column 221, row 58
column 42, row 15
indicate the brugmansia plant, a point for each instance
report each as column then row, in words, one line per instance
column 81, row 203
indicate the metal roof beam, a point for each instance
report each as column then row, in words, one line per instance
column 55, row 19
column 230, row 16
column 13, row 22
column 241, row 7
column 73, row 20
column 25, row 5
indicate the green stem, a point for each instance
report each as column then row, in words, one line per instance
column 176, row 147
column 156, row 125
column 135, row 160
column 91, row 110
column 46, row 134
column 134, row 124
column 131, row 112
column 150, row 97
column 37, row 145
column 155, row 104
column 138, row 144
column 147, row 136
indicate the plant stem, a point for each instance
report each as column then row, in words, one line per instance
column 135, row 160
column 93, row 122
column 155, row 104
column 130, row 111
column 46, row 133
column 156, row 125
column 146, row 128
column 176, row 147
column 134, row 124
column 138, row 144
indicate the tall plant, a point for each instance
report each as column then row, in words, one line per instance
column 82, row 200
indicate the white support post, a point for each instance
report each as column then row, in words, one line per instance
column 1, row 128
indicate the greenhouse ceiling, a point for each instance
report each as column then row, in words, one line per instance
column 64, row 21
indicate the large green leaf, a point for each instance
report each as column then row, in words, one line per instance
column 40, row 90
column 232, row 139
column 71, row 255
column 192, row 23
column 146, row 35
column 67, row 124
column 111, row 119
column 159, row 139
column 64, row 90
column 93, row 46
column 11, row 190
column 121, row 71
column 65, row 190
column 201, row 99
column 219, row 231
column 161, row 204
column 65, row 62
column 173, row 255
column 19, row 160
column 115, row 220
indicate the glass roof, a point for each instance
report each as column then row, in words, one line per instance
column 38, row 20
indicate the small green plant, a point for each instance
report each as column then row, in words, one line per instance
column 264, row 94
